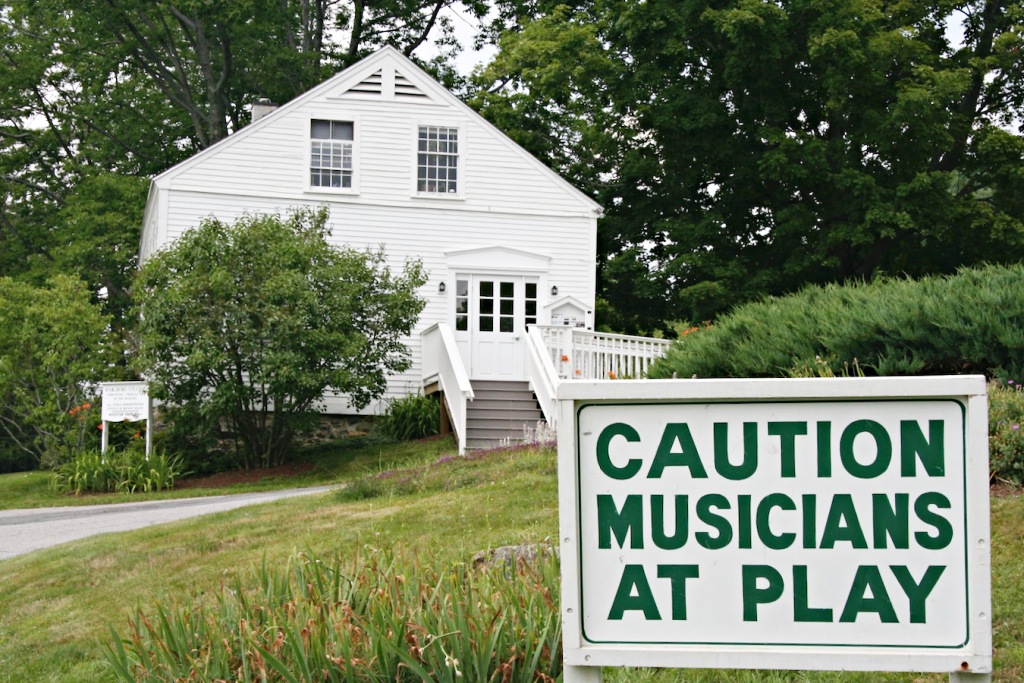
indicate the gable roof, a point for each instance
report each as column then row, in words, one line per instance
column 370, row 79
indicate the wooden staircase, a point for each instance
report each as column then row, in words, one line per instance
column 500, row 414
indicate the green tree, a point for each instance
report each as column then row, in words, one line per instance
column 249, row 324
column 131, row 87
column 756, row 147
column 53, row 352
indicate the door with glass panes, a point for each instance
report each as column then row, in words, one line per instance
column 490, row 318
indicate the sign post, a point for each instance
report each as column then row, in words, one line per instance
column 126, row 402
column 829, row 524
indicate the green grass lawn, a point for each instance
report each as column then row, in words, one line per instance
column 330, row 463
column 56, row 604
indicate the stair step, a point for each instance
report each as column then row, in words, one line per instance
column 494, row 385
column 489, row 395
column 513, row 404
column 474, row 432
column 510, row 425
column 501, row 413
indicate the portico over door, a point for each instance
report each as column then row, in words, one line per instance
column 491, row 314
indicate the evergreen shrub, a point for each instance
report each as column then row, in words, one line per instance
column 970, row 322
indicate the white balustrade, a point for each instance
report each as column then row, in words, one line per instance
column 441, row 361
column 583, row 354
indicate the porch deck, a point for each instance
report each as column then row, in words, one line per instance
column 554, row 354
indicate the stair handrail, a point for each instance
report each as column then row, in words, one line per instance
column 540, row 368
column 442, row 361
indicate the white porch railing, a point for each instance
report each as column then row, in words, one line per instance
column 555, row 353
column 582, row 354
column 540, row 370
column 441, row 360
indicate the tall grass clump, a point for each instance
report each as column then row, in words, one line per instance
column 411, row 417
column 377, row 617
column 122, row 471
column 970, row 322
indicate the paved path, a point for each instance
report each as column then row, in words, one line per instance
column 23, row 531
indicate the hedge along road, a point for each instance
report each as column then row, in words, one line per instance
column 24, row 531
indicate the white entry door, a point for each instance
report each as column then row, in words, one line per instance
column 491, row 315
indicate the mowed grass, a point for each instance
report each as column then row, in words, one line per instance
column 55, row 605
column 329, row 463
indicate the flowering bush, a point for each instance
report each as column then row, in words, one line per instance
column 1006, row 431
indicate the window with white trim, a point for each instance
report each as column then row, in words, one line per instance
column 437, row 160
column 330, row 158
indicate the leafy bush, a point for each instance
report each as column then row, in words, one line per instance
column 411, row 417
column 123, row 471
column 965, row 323
column 378, row 617
column 54, row 347
column 248, row 325
column 1006, row 431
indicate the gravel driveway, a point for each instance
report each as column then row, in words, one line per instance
column 23, row 531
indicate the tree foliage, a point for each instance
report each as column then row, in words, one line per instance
column 97, row 91
column 746, row 148
column 53, row 352
column 248, row 324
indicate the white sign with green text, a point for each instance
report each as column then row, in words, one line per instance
column 801, row 524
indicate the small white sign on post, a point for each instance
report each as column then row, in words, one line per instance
column 830, row 524
column 125, row 402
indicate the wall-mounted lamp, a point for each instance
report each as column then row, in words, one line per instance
column 441, row 287
column 554, row 290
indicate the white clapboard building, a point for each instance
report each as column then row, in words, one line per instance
column 404, row 164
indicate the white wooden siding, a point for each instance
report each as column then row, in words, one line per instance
column 506, row 197
column 409, row 233
column 275, row 162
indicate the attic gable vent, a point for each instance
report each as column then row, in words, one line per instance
column 404, row 88
column 371, row 85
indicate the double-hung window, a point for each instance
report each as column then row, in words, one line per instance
column 330, row 159
column 437, row 160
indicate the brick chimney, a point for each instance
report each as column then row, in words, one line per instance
column 261, row 108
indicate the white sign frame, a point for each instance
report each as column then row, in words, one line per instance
column 971, row 661
column 135, row 406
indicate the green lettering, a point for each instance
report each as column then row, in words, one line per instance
column 824, row 449
column 810, row 508
column 787, row 433
column 743, row 506
column 917, row 593
column 682, row 527
column 883, row 449
column 801, row 612
column 868, row 579
column 678, row 574
column 764, row 513
column 931, row 452
column 686, row 456
column 943, row 529
column 753, row 595
column 891, row 521
column 717, row 522
column 634, row 579
column 748, row 465
column 613, row 521
column 843, row 524
column 604, row 461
